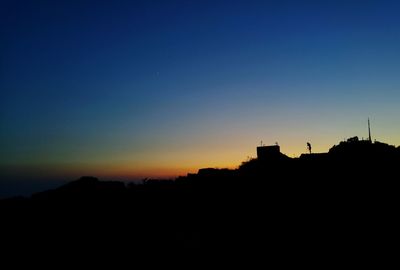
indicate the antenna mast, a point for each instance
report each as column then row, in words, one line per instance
column 369, row 132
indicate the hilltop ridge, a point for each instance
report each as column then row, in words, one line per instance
column 316, row 202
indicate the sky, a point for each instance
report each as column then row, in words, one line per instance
column 131, row 89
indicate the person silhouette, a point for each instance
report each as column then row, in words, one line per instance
column 309, row 147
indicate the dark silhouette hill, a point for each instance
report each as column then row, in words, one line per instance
column 337, row 205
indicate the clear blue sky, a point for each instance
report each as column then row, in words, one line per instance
column 129, row 89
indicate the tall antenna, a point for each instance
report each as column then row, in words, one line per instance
column 369, row 131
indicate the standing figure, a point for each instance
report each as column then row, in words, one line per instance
column 309, row 147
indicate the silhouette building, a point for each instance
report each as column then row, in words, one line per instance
column 268, row 152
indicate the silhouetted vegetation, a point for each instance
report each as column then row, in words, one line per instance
column 340, row 202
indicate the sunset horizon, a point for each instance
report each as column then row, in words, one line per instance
column 158, row 89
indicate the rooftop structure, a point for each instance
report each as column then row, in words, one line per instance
column 268, row 152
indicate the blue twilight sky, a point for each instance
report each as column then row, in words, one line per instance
column 130, row 89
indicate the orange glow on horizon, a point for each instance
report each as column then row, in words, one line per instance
column 162, row 163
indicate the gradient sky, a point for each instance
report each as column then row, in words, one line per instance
column 132, row 89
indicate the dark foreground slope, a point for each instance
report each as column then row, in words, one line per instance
column 341, row 205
